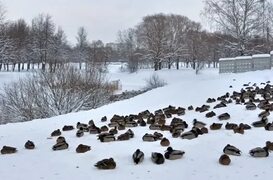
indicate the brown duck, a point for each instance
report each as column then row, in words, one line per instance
column 83, row 148
column 29, row 145
column 106, row 164
column 8, row 150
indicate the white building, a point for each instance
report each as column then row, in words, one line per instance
column 246, row 63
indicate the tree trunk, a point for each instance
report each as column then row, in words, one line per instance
column 169, row 63
column 19, row 67
column 156, row 65
column 160, row 65
column 28, row 66
column 177, row 64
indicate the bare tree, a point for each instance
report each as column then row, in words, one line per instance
column 81, row 47
column 152, row 36
column 242, row 19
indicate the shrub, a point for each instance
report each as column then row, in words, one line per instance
column 154, row 82
column 44, row 94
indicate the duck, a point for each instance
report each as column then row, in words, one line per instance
column 83, row 148
column 261, row 123
column 224, row 116
column 8, row 150
column 239, row 130
column 157, row 158
column 80, row 132
column 142, row 123
column 158, row 135
column 220, row 105
column 269, row 145
column 172, row 154
column 259, row 152
column 96, row 130
column 231, row 150
column 215, row 126
column 138, row 156
column 264, row 113
column 106, row 164
column 190, row 108
column 176, row 134
column 124, row 137
column 245, row 126
column 106, row 137
column 131, row 124
column 68, row 128
column 60, row 139
column 81, row 125
column 29, row 145
column 103, row 119
column 251, row 106
column 224, row 160
column 231, row 126
column 121, row 127
column 155, row 127
column 113, row 130
column 269, row 127
column 165, row 127
column 189, row 135
column 204, row 130
column 210, row 114
column 60, row 146
column 131, row 133
column 149, row 137
column 103, row 129
column 198, row 124
column 164, row 142
column 56, row 133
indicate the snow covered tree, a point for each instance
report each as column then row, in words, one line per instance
column 242, row 19
column 81, row 46
column 152, row 36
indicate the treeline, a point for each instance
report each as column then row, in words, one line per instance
column 244, row 27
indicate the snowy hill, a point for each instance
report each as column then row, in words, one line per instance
column 201, row 154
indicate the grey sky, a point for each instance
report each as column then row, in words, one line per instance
column 101, row 18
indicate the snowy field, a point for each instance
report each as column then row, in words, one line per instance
column 201, row 154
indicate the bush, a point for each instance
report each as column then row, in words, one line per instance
column 154, row 82
column 45, row 94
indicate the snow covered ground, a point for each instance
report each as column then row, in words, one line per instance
column 184, row 88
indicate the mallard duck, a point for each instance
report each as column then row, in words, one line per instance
column 264, row 113
column 231, row 150
column 172, row 154
column 131, row 124
column 189, row 135
column 157, row 158
column 142, row 123
column 138, row 156
column 106, row 137
column 83, row 148
column 68, row 128
column 220, row 105
column 121, row 127
column 251, row 106
column 231, row 126
column 269, row 145
column 155, row 127
column 198, row 124
column 106, row 164
column 210, row 114
column 113, row 131
column 29, row 145
column 164, row 142
column 91, row 122
column 103, row 119
column 158, row 135
column 190, row 108
column 95, row 130
column 176, row 134
column 259, row 152
column 60, row 139
column 215, row 126
column 165, row 128
column 245, row 126
column 102, row 129
column 8, row 150
column 224, row 116
column 269, row 127
column 80, row 132
column 149, row 137
column 60, row 146
column 204, row 130
column 124, row 137
column 210, row 100
column 239, row 130
column 261, row 123
column 131, row 133
column 224, row 160
column 56, row 133
column 81, row 125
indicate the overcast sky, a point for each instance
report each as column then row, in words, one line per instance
column 101, row 18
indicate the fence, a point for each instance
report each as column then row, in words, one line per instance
column 245, row 63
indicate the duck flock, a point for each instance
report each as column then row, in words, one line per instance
column 169, row 119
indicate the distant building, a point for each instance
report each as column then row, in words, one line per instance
column 246, row 63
